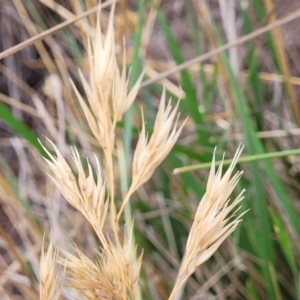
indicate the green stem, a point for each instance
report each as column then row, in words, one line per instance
column 241, row 160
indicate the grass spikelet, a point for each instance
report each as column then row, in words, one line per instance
column 124, row 258
column 108, row 87
column 150, row 154
column 50, row 284
column 84, row 194
column 211, row 224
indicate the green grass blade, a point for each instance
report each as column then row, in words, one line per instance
column 245, row 159
column 284, row 242
column 20, row 128
column 258, row 195
column 136, row 69
column 190, row 100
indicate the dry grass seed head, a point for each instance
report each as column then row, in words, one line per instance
column 212, row 225
column 84, row 275
column 105, row 278
column 128, row 267
column 108, row 99
column 63, row 177
column 84, row 194
column 148, row 155
column 50, row 284
column 92, row 193
column 107, row 93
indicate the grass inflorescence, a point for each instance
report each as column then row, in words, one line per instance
column 96, row 96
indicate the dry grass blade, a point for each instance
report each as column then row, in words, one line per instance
column 248, row 37
column 283, row 60
column 52, row 30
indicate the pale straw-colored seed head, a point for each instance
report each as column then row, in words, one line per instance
column 213, row 222
column 92, row 193
column 83, row 193
column 50, row 283
column 107, row 93
column 85, row 276
column 121, row 98
column 63, row 176
column 126, row 271
column 149, row 154
column 113, row 277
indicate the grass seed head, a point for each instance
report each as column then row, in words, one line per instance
column 107, row 93
column 116, row 273
column 83, row 193
column 149, row 154
column 211, row 224
column 50, row 285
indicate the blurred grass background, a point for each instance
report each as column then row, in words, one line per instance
column 248, row 93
